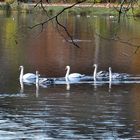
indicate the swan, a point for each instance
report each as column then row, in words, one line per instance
column 72, row 76
column 43, row 81
column 113, row 75
column 116, row 75
column 100, row 74
column 46, row 81
column 40, row 81
column 28, row 77
column 95, row 72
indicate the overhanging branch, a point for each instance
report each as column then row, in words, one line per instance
column 56, row 18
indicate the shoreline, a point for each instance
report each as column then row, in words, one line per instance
column 103, row 5
column 35, row 7
column 101, row 9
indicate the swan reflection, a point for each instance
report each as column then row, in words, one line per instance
column 97, row 79
column 37, row 83
column 21, row 86
column 67, row 85
column 37, row 90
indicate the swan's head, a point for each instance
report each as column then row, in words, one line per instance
column 67, row 67
column 37, row 73
column 95, row 65
column 110, row 69
column 20, row 67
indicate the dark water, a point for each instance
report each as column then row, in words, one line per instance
column 85, row 111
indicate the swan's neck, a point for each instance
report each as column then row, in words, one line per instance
column 37, row 79
column 37, row 83
column 94, row 73
column 21, row 74
column 110, row 75
column 67, row 73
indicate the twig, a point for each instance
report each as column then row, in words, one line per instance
column 56, row 18
column 121, row 41
column 69, row 35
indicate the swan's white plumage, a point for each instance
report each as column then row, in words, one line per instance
column 117, row 76
column 28, row 77
column 95, row 72
column 72, row 76
column 100, row 74
column 43, row 81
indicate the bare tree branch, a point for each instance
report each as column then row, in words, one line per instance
column 122, row 8
column 72, row 41
column 125, row 6
column 58, row 14
column 56, row 18
column 117, row 38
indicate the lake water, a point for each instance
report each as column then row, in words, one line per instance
column 84, row 111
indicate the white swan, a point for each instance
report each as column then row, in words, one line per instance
column 39, row 81
column 28, row 77
column 117, row 76
column 72, row 76
column 100, row 74
column 113, row 75
column 44, row 82
column 95, row 72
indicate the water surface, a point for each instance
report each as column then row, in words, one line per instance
column 85, row 111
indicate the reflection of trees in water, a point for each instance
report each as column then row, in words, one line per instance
column 122, row 8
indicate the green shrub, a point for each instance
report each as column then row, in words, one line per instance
column 137, row 12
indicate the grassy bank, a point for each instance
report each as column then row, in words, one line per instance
column 86, row 9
